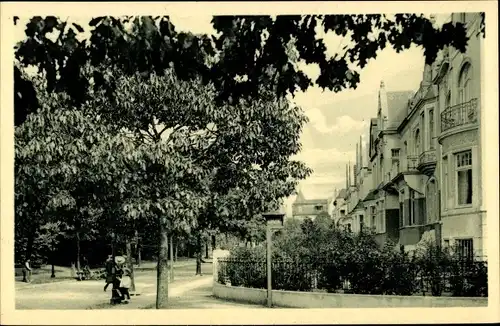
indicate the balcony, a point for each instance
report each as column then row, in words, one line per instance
column 459, row 115
column 412, row 162
column 427, row 162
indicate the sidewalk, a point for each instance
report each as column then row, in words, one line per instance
column 63, row 278
column 90, row 294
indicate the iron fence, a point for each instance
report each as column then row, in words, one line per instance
column 458, row 278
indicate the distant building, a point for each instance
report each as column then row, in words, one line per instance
column 303, row 208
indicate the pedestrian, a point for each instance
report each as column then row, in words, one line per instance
column 27, row 271
column 110, row 271
column 86, row 268
column 125, row 284
column 116, row 295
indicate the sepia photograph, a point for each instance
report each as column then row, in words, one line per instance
column 272, row 161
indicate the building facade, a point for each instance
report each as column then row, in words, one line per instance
column 424, row 156
column 308, row 208
column 458, row 77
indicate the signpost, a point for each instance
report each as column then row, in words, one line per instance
column 274, row 221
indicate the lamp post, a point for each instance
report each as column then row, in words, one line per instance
column 274, row 221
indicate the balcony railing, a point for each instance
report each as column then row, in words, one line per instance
column 428, row 157
column 412, row 162
column 459, row 115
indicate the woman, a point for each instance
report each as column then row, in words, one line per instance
column 27, row 271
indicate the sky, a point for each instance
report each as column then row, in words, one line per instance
column 336, row 120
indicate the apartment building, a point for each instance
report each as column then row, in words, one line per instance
column 384, row 149
column 425, row 156
column 458, row 78
column 412, row 177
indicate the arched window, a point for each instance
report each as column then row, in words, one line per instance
column 464, row 84
column 417, row 142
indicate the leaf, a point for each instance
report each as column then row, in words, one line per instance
column 78, row 28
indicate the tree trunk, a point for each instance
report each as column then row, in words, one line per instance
column 206, row 249
column 53, row 270
column 214, row 243
column 139, row 256
column 171, row 251
column 138, row 248
column 78, row 251
column 29, row 245
column 198, row 254
column 130, row 265
column 162, row 268
column 176, row 250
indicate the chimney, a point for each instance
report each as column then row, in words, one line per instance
column 361, row 163
column 357, row 159
column 382, row 102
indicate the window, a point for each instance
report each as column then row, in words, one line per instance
column 462, row 17
column 412, row 207
column 318, row 208
column 417, row 141
column 431, row 129
column 447, row 102
column 465, row 248
column 464, row 177
column 423, row 133
column 445, row 182
column 361, row 222
column 373, row 213
column 446, row 243
column 395, row 153
column 349, row 227
column 464, row 84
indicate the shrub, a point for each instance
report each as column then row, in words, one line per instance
column 400, row 276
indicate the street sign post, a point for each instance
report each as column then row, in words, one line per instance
column 274, row 221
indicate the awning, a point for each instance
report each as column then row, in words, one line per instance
column 415, row 182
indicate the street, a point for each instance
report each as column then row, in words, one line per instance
column 186, row 291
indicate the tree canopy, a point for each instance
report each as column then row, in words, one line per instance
column 247, row 53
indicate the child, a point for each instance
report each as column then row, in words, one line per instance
column 125, row 283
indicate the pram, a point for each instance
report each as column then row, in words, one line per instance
column 116, row 296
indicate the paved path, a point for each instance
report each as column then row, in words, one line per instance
column 187, row 291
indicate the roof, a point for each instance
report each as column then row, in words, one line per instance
column 342, row 194
column 302, row 200
column 430, row 93
column 311, row 201
column 359, row 205
column 372, row 195
column 397, row 102
column 300, row 197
